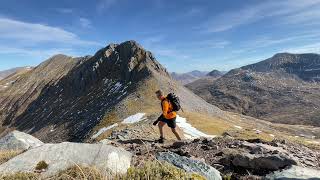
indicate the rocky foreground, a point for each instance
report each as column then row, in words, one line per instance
column 212, row 158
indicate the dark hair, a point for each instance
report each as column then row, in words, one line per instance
column 159, row 92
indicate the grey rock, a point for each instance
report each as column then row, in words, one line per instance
column 64, row 155
column 295, row 172
column 270, row 162
column 17, row 140
column 105, row 141
column 190, row 165
column 179, row 144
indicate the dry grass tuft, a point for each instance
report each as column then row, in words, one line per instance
column 157, row 170
column 149, row 171
column 20, row 176
column 7, row 155
column 42, row 165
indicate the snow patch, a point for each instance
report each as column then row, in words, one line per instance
column 95, row 66
column 134, row 118
column 104, row 129
column 190, row 132
column 271, row 135
column 313, row 142
column 238, row 127
column 118, row 85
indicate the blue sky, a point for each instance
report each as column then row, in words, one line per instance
column 184, row 35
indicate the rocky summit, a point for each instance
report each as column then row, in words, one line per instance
column 66, row 98
column 282, row 89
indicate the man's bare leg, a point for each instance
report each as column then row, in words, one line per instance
column 160, row 125
column 176, row 133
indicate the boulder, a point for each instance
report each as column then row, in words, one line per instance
column 64, row 155
column 17, row 140
column 295, row 172
column 268, row 161
column 190, row 165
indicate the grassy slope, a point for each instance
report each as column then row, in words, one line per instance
column 144, row 100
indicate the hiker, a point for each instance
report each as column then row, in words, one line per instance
column 169, row 105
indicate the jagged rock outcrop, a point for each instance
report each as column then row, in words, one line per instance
column 241, row 156
column 20, row 141
column 61, row 156
column 283, row 89
column 295, row 172
column 190, row 165
column 266, row 162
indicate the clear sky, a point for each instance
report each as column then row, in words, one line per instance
column 184, row 35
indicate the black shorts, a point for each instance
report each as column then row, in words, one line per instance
column 170, row 122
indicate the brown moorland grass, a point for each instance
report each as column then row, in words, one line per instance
column 7, row 155
column 149, row 171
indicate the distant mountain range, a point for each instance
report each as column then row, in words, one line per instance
column 284, row 89
column 186, row 78
column 6, row 73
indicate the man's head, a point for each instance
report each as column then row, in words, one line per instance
column 159, row 94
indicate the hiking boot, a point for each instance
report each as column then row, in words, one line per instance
column 161, row 140
column 156, row 122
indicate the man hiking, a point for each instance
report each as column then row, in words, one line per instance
column 169, row 105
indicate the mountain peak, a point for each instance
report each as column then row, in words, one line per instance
column 131, row 43
column 129, row 59
column 215, row 73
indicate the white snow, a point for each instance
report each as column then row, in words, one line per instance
column 238, row 127
column 134, row 118
column 190, row 132
column 316, row 69
column 271, row 135
column 95, row 66
column 258, row 131
column 313, row 142
column 104, row 129
column 118, row 85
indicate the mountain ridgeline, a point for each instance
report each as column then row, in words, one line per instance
column 65, row 98
column 185, row 78
column 284, row 89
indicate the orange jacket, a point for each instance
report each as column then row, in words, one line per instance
column 167, row 109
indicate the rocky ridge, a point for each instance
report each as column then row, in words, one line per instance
column 281, row 89
column 66, row 98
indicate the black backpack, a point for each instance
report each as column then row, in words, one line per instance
column 175, row 101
